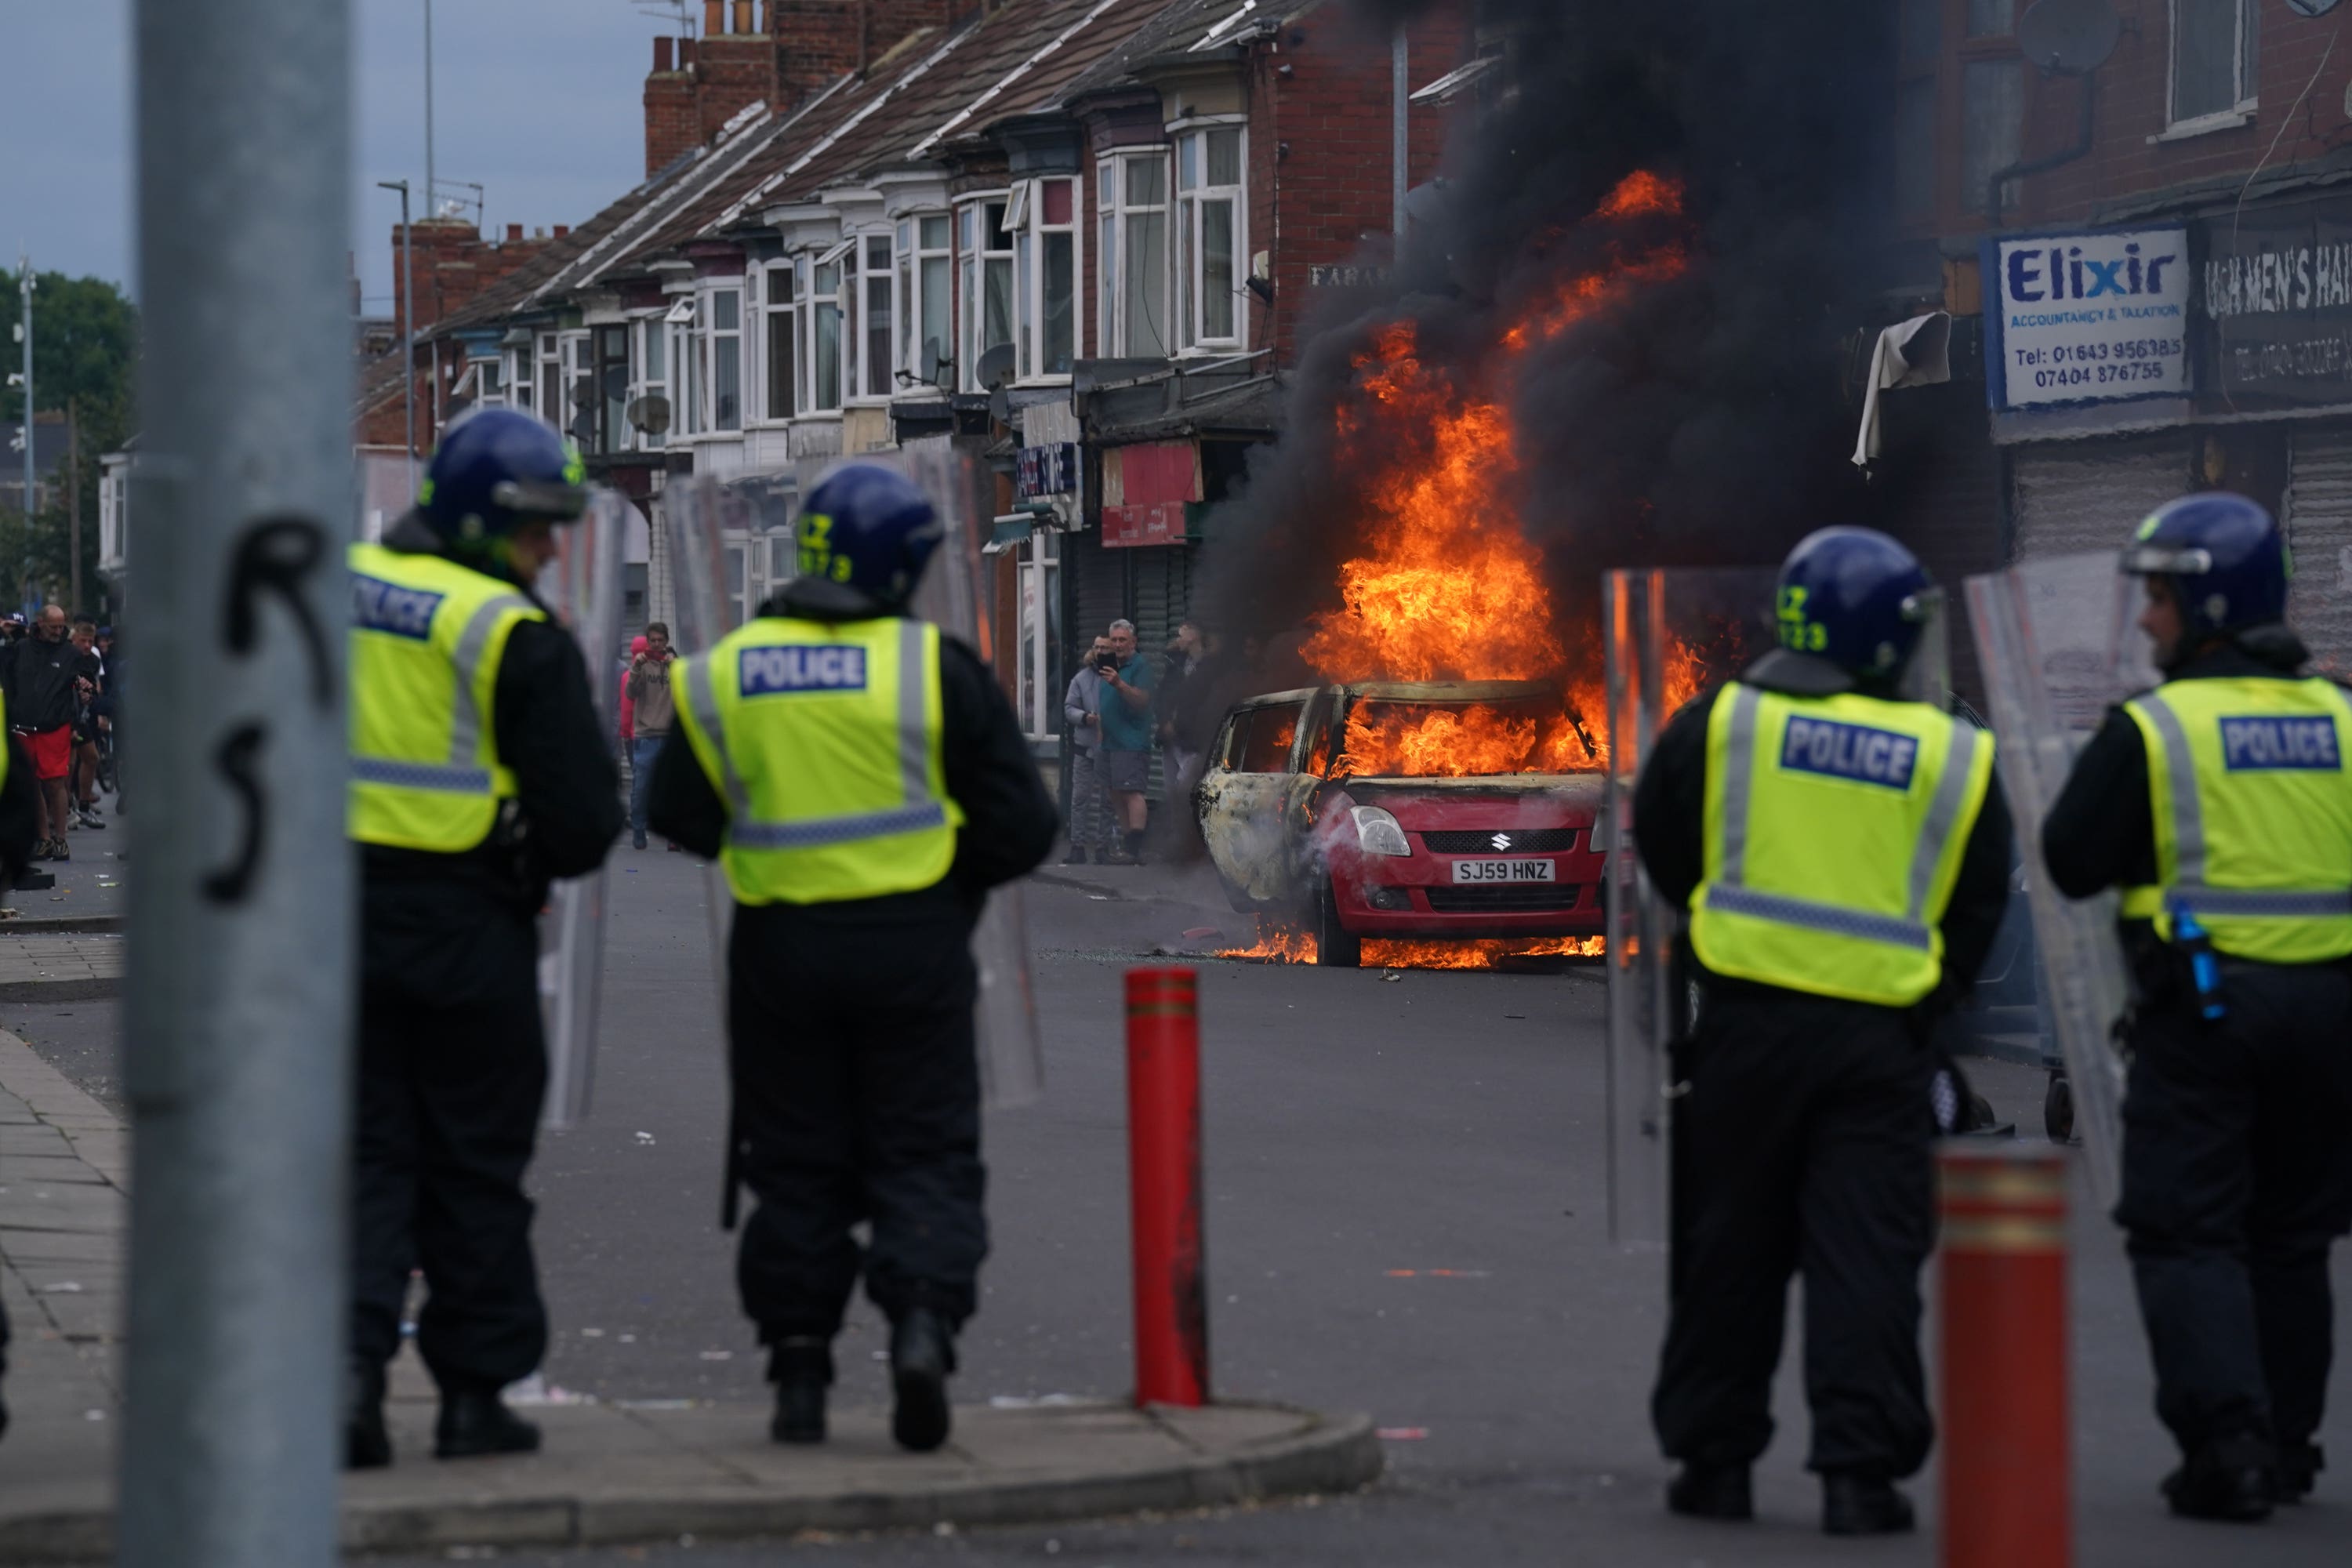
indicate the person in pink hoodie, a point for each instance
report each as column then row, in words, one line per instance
column 629, row 703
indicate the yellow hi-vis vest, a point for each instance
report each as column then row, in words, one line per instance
column 824, row 741
column 2253, row 814
column 426, row 638
column 1835, row 831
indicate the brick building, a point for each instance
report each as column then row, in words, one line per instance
column 2215, row 134
column 1080, row 238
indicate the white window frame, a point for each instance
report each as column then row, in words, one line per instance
column 974, row 261
column 2249, row 77
column 1039, row 682
column 712, row 336
column 490, row 381
column 522, row 377
column 578, row 354
column 779, row 300
column 867, row 268
column 647, row 331
column 1026, row 216
column 815, row 306
column 914, row 253
column 1116, row 253
column 549, row 369
column 1191, row 273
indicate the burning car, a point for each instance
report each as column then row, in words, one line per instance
column 1409, row 811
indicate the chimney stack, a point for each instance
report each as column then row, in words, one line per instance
column 714, row 18
column 662, row 46
column 672, row 119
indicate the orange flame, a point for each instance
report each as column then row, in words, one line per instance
column 1449, row 587
column 1285, row 944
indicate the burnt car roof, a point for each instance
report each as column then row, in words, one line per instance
column 1415, row 691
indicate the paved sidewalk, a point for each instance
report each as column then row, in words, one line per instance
column 59, row 967
column 635, row 1471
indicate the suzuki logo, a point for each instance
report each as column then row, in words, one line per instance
column 1501, row 841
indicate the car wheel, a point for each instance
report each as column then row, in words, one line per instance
column 1336, row 947
column 2058, row 1110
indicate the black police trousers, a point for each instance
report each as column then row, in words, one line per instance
column 452, row 1071
column 1802, row 1143
column 856, row 1098
column 2237, row 1170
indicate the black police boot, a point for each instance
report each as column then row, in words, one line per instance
column 2231, row 1480
column 367, row 1445
column 1853, row 1504
column 802, row 1370
column 1711, row 1491
column 922, row 1353
column 476, row 1421
column 2299, row 1465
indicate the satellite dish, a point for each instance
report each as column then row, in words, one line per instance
column 650, row 413
column 2069, row 37
column 2311, row 8
column 995, row 367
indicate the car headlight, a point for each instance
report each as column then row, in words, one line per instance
column 1378, row 832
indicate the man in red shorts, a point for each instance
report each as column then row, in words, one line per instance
column 41, row 681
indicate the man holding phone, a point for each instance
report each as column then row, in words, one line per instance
column 1089, row 804
column 1127, row 726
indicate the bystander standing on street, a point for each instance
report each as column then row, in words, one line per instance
column 43, row 684
column 20, row 815
column 88, row 720
column 654, row 709
column 1090, row 820
column 1127, row 726
column 628, row 704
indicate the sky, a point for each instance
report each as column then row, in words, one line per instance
column 537, row 100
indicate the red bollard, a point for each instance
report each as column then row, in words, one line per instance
column 1163, row 1148
column 2007, row 1450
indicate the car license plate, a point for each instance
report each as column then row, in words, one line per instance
column 1504, row 871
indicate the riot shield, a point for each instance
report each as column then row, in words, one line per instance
column 2055, row 639
column 581, row 586
column 953, row 596
column 699, row 517
column 1668, row 635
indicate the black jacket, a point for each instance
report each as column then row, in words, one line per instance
column 2101, row 831
column 567, row 810
column 1670, row 814
column 40, row 681
column 1009, row 820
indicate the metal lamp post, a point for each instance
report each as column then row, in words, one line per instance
column 25, row 284
column 242, row 919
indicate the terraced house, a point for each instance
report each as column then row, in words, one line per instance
column 1085, row 238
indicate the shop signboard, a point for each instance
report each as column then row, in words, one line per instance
column 2087, row 316
column 2276, row 288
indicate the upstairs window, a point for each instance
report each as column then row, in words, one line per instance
column 2216, row 48
column 876, row 356
column 1210, row 235
column 987, row 287
column 926, row 274
column 653, row 376
column 1134, row 259
column 551, row 401
column 610, row 367
column 822, row 328
column 1043, row 215
column 782, row 345
column 727, row 359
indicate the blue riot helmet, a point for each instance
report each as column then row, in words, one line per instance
column 866, row 533
column 495, row 470
column 1855, row 597
column 2225, row 558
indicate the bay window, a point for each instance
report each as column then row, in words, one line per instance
column 821, row 327
column 489, row 388
column 727, row 359
column 926, row 264
column 517, row 363
column 609, row 357
column 987, row 286
column 653, row 372
column 1047, row 270
column 551, row 401
column 1134, row 260
column 1210, row 224
column 875, row 359
column 782, row 345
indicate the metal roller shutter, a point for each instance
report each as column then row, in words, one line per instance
column 2318, row 519
column 2087, row 495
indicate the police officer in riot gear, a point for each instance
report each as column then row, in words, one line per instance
column 864, row 783
column 1844, row 860
column 2219, row 804
column 480, row 771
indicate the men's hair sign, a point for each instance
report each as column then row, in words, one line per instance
column 2100, row 316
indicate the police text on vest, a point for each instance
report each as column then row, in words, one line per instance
column 821, row 667
column 1850, row 752
column 381, row 607
column 2268, row 741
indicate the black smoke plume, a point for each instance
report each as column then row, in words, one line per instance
column 1700, row 422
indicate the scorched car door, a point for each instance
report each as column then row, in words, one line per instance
column 1243, row 799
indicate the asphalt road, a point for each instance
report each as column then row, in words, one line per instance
column 1363, row 1134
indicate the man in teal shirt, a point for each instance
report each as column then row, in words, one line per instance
column 1127, row 727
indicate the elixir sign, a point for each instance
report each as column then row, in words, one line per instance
column 2099, row 317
